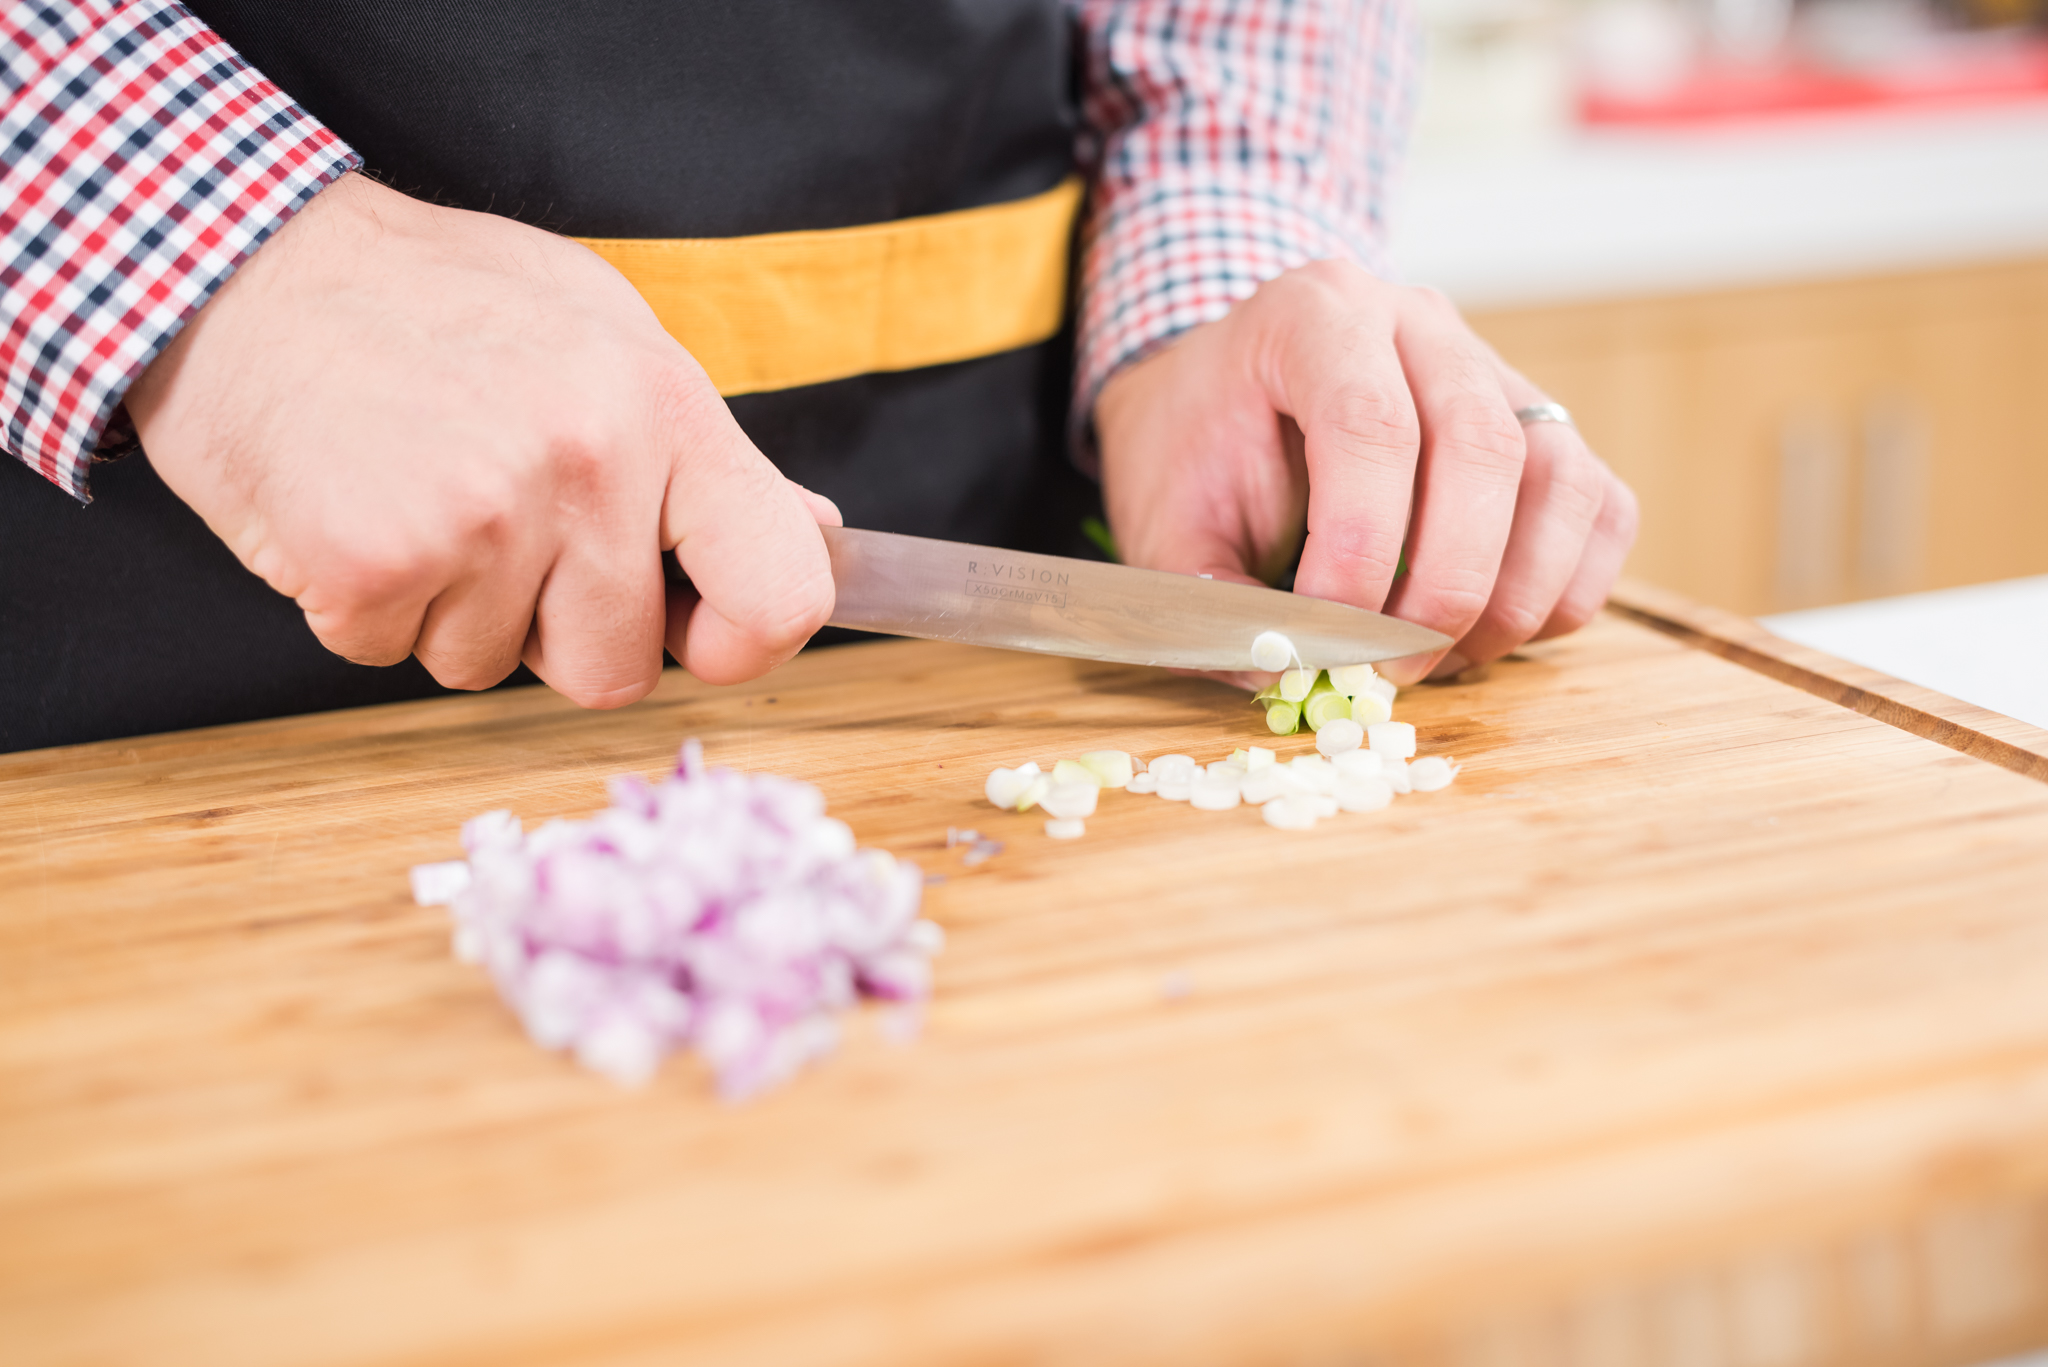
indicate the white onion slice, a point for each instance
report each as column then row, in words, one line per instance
column 1352, row 680
column 1147, row 782
column 1268, row 783
column 1213, row 797
column 1326, row 805
column 1176, row 792
column 1073, row 771
column 1313, row 773
column 1394, row 773
column 1005, row 786
column 1363, row 794
column 1173, row 768
column 1071, row 801
column 1112, row 768
column 1357, row 764
column 1338, row 735
column 1295, row 813
column 1295, row 684
column 1429, row 774
column 1067, row 829
column 1271, row 651
column 1392, row 739
column 1370, row 709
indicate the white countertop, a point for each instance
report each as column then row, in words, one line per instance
column 1986, row 644
column 1604, row 214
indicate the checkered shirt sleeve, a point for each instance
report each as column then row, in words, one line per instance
column 141, row 161
column 1230, row 141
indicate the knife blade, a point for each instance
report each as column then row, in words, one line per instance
column 980, row 595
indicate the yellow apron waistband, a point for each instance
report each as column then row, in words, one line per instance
column 786, row 309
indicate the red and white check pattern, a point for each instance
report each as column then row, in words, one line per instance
column 141, row 161
column 1230, row 141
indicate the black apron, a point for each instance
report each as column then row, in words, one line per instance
column 639, row 118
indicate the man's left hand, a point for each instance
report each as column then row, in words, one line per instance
column 1372, row 411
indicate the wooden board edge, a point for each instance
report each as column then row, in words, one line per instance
column 1975, row 731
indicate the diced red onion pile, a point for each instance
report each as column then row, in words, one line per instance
column 716, row 910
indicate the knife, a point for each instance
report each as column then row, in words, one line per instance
column 979, row 595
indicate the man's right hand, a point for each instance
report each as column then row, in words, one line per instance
column 447, row 434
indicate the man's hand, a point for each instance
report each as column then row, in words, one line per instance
column 1334, row 394
column 450, row 435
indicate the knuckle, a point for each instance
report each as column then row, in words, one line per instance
column 679, row 392
column 599, row 695
column 1335, row 273
column 1573, row 611
column 369, row 574
column 1371, row 420
column 354, row 641
column 1451, row 597
column 1515, row 619
column 784, row 621
column 1428, row 300
column 1620, row 510
column 1578, row 486
column 1488, row 436
column 471, row 675
column 579, row 460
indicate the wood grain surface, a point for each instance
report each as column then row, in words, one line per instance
column 1703, row 1021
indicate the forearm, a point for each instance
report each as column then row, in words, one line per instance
column 141, row 162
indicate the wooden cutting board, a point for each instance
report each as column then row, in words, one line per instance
column 1703, row 1021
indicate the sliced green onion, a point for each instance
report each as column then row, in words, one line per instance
column 1112, row 768
column 1283, row 718
column 1323, row 708
column 1432, row 772
column 1075, row 771
column 1297, row 684
column 1351, row 680
column 1006, row 786
column 1271, row 651
column 1370, row 709
column 1034, row 793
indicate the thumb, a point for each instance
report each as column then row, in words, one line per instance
column 748, row 539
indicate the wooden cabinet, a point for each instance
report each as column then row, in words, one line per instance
column 1815, row 443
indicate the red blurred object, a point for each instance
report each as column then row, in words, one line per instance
column 1949, row 75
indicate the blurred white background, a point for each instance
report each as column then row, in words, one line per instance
column 1787, row 261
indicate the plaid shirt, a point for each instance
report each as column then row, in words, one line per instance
column 141, row 161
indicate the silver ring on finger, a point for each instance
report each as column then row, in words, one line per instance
column 1545, row 412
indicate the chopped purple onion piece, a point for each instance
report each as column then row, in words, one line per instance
column 715, row 909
